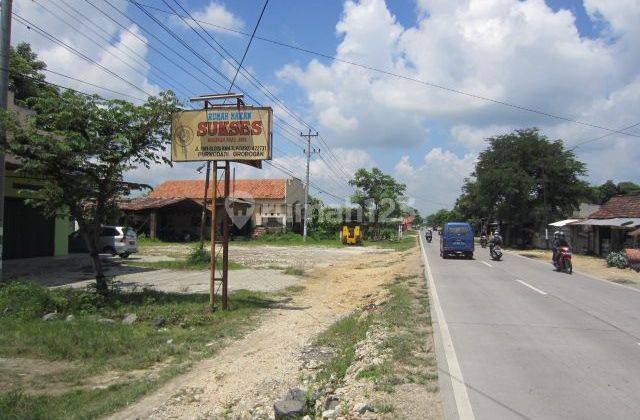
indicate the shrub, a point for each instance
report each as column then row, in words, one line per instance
column 199, row 256
column 32, row 300
column 617, row 259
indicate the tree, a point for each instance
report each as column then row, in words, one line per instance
column 418, row 220
column 81, row 146
column 26, row 79
column 378, row 193
column 525, row 180
column 601, row 194
column 442, row 216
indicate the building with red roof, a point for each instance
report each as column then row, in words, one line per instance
column 173, row 210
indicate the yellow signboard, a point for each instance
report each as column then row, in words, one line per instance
column 222, row 134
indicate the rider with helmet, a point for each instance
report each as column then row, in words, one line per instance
column 496, row 239
column 559, row 241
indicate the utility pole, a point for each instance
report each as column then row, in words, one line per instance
column 5, row 43
column 306, row 186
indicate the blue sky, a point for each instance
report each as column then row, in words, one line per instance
column 570, row 58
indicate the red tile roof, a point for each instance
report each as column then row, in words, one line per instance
column 619, row 206
column 148, row 203
column 258, row 188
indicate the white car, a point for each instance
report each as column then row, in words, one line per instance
column 114, row 240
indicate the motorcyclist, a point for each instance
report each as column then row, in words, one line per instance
column 496, row 239
column 429, row 234
column 558, row 242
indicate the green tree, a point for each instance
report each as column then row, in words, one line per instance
column 81, row 146
column 26, row 79
column 377, row 193
column 517, row 175
column 418, row 220
column 442, row 216
column 606, row 191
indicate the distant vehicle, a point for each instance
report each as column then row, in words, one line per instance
column 457, row 239
column 563, row 260
column 114, row 240
column 429, row 235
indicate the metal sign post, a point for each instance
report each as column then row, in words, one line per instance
column 220, row 134
column 219, row 278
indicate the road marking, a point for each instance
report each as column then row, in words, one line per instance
column 486, row 263
column 531, row 287
column 463, row 404
column 579, row 272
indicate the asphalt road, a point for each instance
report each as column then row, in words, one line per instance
column 516, row 339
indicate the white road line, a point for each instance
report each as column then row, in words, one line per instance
column 463, row 404
column 579, row 272
column 531, row 287
column 486, row 263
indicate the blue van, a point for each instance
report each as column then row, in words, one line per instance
column 457, row 239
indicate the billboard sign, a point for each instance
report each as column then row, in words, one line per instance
column 239, row 134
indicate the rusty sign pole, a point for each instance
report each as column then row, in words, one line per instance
column 225, row 239
column 212, row 275
column 221, row 244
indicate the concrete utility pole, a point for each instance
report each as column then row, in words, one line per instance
column 306, row 186
column 5, row 44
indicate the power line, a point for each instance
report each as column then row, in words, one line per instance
column 92, row 40
column 250, row 77
column 408, row 78
column 133, row 55
column 602, row 136
column 66, row 46
column 91, row 84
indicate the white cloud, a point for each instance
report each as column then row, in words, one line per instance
column 435, row 182
column 217, row 15
column 521, row 52
column 112, row 57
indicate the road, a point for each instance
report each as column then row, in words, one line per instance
column 516, row 339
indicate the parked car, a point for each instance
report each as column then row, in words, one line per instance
column 457, row 239
column 114, row 240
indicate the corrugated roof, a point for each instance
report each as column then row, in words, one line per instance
column 148, row 203
column 192, row 188
column 619, row 206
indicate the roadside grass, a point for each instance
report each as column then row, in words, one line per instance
column 407, row 242
column 190, row 332
column 342, row 337
column 406, row 318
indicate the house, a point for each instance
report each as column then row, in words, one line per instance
column 173, row 210
column 27, row 232
column 580, row 237
column 612, row 226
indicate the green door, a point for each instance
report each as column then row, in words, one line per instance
column 27, row 233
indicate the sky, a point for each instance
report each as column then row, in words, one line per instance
column 576, row 60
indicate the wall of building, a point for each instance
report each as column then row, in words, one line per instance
column 17, row 186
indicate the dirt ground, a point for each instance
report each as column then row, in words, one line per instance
column 266, row 256
column 261, row 367
column 592, row 266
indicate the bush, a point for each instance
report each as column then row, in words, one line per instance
column 617, row 259
column 199, row 256
column 32, row 300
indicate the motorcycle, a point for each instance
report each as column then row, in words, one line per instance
column 496, row 253
column 429, row 237
column 483, row 241
column 563, row 260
